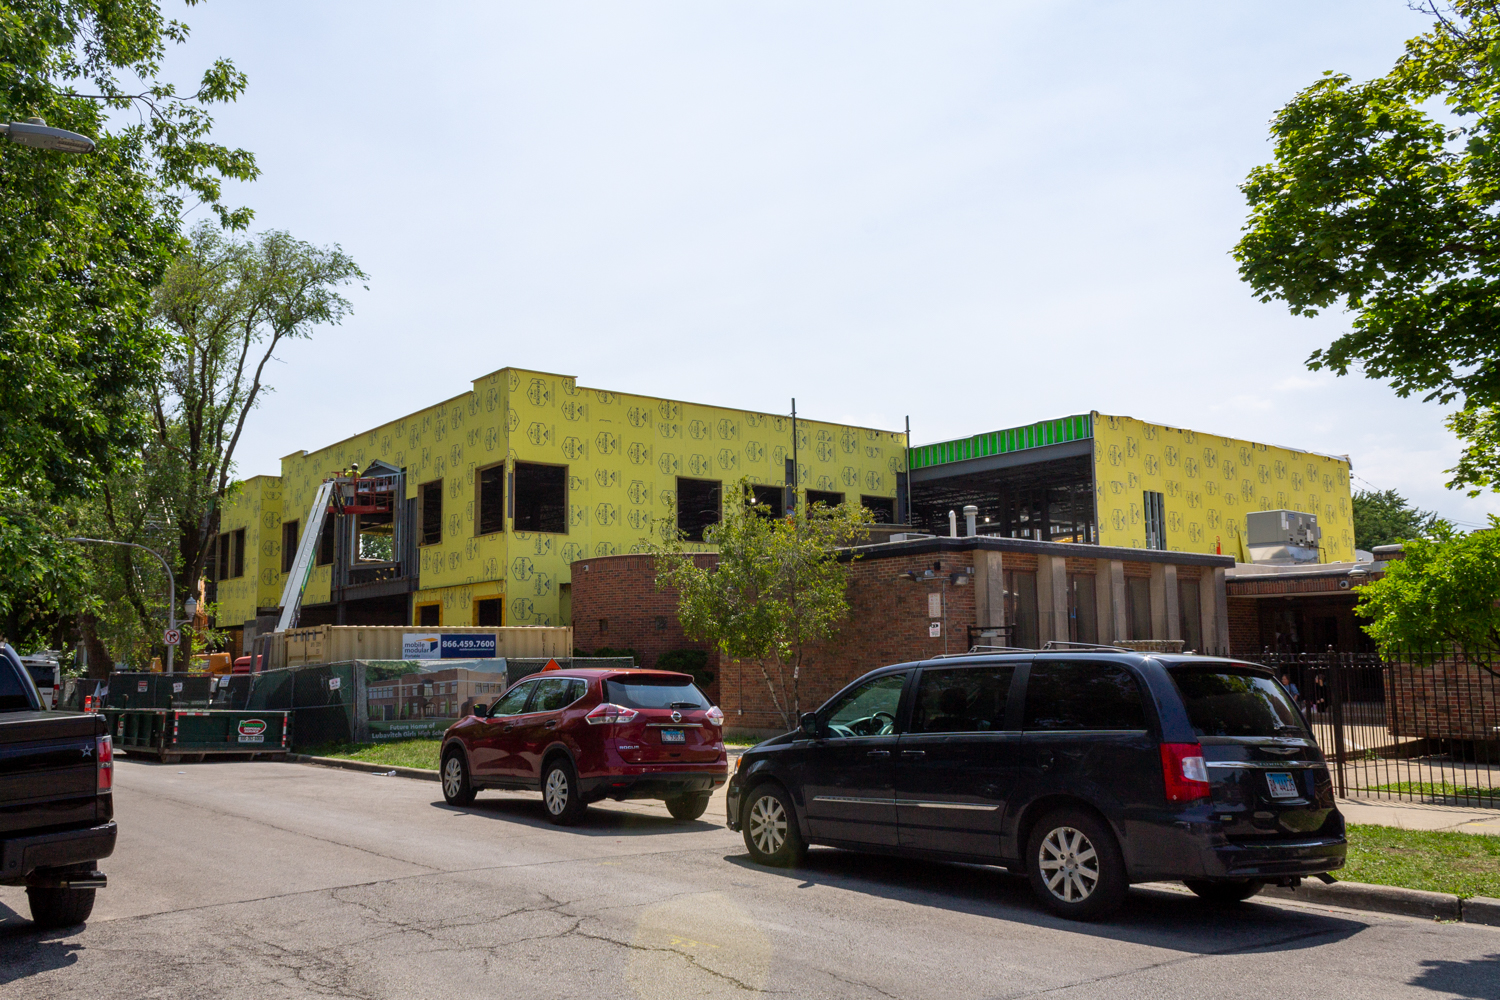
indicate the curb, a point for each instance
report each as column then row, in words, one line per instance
column 1393, row 899
column 421, row 773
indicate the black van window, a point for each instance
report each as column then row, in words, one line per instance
column 1082, row 695
column 969, row 700
column 1236, row 703
column 868, row 710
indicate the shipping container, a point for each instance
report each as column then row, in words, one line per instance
column 338, row 643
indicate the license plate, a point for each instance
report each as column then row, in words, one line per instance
column 673, row 736
column 1282, row 785
column 252, row 739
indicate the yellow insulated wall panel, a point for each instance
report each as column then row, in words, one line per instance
column 1208, row 484
column 254, row 506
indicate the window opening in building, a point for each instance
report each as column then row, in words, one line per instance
column 1190, row 626
column 1020, row 607
column 288, row 545
column 432, row 512
column 491, row 486
column 884, row 508
column 230, row 555
column 697, row 506
column 1083, row 618
column 325, row 540
column 825, row 497
column 541, row 497
column 427, row 615
column 239, row 552
column 769, row 500
column 488, row 612
column 1138, row 607
column 1051, row 501
column 1156, row 521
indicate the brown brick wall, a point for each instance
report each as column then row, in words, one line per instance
column 621, row 590
column 1244, row 627
column 1451, row 699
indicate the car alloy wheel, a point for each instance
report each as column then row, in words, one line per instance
column 556, row 792
column 1069, row 864
column 768, row 824
column 453, row 777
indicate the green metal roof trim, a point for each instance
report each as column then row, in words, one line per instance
column 1038, row 435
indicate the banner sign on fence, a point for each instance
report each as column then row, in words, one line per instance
column 405, row 729
column 438, row 646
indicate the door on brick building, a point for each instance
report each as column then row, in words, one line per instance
column 849, row 775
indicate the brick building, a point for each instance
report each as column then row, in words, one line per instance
column 1300, row 609
column 983, row 590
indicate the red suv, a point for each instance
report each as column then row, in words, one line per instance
column 579, row 736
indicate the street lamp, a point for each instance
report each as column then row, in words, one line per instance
column 171, row 586
column 943, row 579
column 37, row 133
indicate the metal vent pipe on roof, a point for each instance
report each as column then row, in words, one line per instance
column 952, row 524
column 971, row 514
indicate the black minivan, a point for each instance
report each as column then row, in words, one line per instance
column 1086, row 770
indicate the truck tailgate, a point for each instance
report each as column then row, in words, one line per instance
column 48, row 771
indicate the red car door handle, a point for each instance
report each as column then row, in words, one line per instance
column 552, row 724
column 506, row 729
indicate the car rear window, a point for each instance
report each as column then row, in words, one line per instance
column 1236, row 703
column 655, row 692
column 14, row 696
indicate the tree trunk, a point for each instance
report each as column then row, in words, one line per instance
column 100, row 663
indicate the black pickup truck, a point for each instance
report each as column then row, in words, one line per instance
column 56, row 802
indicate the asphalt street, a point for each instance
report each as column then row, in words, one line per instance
column 263, row 881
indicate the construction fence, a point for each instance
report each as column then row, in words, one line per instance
column 1421, row 725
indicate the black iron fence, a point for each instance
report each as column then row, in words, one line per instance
column 1422, row 725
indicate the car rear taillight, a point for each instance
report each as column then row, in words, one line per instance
column 609, row 713
column 1185, row 773
column 714, row 716
column 104, row 757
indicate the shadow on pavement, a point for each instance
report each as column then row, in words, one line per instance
column 26, row 951
column 1474, row 979
column 599, row 820
column 1153, row 917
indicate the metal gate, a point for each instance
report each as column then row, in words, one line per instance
column 1418, row 725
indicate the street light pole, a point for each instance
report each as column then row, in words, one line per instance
column 171, row 586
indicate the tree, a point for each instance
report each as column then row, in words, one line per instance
column 1444, row 592
column 227, row 305
column 1375, row 204
column 777, row 589
column 1384, row 517
column 86, row 239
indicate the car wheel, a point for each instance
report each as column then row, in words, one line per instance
column 688, row 807
column 560, row 795
column 457, row 789
column 60, row 907
column 1225, row 893
column 770, row 828
column 1075, row 865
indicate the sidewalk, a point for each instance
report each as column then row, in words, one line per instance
column 1420, row 816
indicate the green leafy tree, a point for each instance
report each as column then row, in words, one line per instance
column 1382, row 199
column 86, row 239
column 1385, row 517
column 777, row 589
column 1444, row 594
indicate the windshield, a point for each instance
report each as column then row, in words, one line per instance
column 1236, row 703
column 655, row 692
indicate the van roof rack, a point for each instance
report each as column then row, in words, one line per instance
column 1064, row 647
column 982, row 650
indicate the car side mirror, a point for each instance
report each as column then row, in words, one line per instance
column 810, row 727
column 482, row 711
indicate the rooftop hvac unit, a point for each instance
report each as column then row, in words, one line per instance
column 1282, row 537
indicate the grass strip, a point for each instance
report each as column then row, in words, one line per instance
column 1465, row 864
column 1436, row 788
column 417, row 752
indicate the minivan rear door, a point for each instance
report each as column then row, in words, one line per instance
column 956, row 761
column 1268, row 776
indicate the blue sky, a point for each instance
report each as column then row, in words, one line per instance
column 978, row 214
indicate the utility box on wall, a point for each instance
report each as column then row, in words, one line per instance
column 1282, row 537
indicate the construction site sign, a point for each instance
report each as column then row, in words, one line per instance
column 440, row 646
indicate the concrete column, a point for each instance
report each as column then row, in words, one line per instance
column 1052, row 598
column 1159, row 599
column 1115, row 585
column 1220, row 612
column 1174, row 603
column 1208, row 619
column 989, row 589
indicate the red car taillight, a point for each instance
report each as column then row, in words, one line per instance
column 104, row 756
column 1184, row 772
column 609, row 713
column 714, row 716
